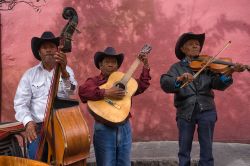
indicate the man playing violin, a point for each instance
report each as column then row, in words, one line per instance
column 33, row 89
column 112, row 144
column 195, row 102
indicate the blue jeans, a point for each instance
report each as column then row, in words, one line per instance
column 205, row 122
column 33, row 146
column 112, row 144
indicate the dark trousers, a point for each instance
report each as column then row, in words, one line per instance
column 205, row 122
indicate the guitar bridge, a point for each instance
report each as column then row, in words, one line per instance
column 112, row 103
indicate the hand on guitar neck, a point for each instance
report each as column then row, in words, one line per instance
column 114, row 93
column 144, row 59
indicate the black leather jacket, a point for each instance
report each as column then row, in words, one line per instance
column 198, row 92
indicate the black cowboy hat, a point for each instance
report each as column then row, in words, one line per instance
column 182, row 40
column 109, row 51
column 36, row 42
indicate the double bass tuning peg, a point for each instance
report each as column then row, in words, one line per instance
column 74, row 27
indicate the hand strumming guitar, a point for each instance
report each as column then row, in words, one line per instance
column 114, row 93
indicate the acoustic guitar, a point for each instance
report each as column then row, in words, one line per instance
column 111, row 111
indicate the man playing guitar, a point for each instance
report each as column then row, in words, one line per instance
column 112, row 144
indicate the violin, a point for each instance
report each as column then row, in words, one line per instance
column 220, row 65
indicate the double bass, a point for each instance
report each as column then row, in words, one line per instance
column 64, row 128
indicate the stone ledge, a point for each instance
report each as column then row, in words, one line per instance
column 152, row 162
column 164, row 153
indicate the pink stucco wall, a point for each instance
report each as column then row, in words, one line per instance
column 127, row 25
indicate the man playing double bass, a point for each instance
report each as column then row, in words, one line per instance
column 195, row 102
column 112, row 144
column 33, row 89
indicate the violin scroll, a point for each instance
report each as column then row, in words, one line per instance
column 247, row 67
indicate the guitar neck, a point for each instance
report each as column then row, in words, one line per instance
column 130, row 71
column 144, row 51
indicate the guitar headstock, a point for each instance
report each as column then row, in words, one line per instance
column 145, row 49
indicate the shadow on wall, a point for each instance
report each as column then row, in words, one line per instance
column 128, row 25
column 225, row 26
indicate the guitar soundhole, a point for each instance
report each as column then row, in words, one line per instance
column 120, row 85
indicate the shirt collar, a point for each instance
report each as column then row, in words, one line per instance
column 185, row 61
column 102, row 77
column 40, row 66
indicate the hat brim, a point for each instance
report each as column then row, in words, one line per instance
column 183, row 39
column 99, row 56
column 36, row 43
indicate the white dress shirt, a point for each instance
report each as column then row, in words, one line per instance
column 32, row 93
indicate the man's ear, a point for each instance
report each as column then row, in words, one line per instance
column 100, row 64
column 182, row 48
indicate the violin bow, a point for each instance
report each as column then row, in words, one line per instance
column 208, row 63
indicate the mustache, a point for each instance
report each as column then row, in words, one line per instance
column 49, row 54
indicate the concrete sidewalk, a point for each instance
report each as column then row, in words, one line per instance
column 164, row 153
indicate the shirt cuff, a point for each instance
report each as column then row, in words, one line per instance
column 225, row 79
column 145, row 72
column 27, row 120
column 177, row 84
column 101, row 93
column 67, row 83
